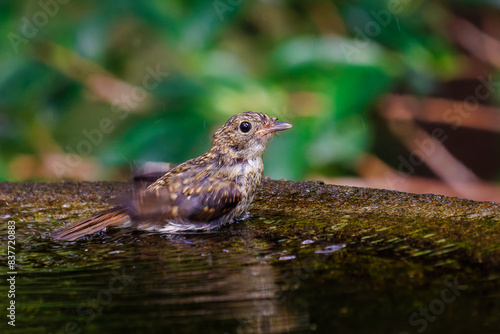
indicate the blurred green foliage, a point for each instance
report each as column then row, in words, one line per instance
column 305, row 62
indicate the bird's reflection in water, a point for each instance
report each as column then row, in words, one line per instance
column 201, row 277
column 268, row 312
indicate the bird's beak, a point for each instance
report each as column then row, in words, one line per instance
column 278, row 126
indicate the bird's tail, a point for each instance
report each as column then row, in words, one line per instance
column 114, row 216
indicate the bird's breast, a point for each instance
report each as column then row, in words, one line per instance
column 248, row 176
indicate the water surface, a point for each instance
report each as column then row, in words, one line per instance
column 252, row 278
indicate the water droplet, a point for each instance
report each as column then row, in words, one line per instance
column 330, row 249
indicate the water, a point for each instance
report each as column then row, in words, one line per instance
column 252, row 278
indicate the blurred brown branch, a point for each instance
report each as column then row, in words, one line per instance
column 376, row 174
column 439, row 110
column 102, row 83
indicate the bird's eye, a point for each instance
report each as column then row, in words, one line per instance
column 245, row 127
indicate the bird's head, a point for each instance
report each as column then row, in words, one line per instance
column 245, row 135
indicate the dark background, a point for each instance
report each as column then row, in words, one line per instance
column 391, row 94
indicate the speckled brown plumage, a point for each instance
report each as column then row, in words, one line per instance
column 202, row 193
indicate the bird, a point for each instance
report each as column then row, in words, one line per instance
column 203, row 193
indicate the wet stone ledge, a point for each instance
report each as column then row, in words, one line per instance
column 389, row 222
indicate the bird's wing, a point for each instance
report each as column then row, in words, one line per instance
column 200, row 201
column 149, row 173
column 217, row 199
